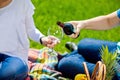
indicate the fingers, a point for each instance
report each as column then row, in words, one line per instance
column 54, row 41
column 50, row 41
column 45, row 41
column 53, row 38
column 52, row 44
column 77, row 26
column 76, row 33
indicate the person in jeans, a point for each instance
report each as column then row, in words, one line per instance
column 89, row 49
column 16, row 27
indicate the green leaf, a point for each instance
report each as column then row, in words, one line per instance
column 110, row 60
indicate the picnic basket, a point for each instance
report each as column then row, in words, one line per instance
column 99, row 72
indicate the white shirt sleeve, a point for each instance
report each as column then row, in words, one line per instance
column 32, row 31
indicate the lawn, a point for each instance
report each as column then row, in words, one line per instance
column 48, row 12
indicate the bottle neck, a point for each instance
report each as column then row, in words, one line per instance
column 60, row 24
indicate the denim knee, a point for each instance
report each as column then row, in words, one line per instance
column 13, row 68
column 85, row 43
column 90, row 49
column 71, row 65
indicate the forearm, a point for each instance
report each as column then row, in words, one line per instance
column 98, row 23
column 102, row 22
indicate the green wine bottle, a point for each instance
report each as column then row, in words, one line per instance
column 67, row 27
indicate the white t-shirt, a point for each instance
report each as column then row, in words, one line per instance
column 16, row 26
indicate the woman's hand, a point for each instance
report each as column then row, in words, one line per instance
column 78, row 25
column 50, row 41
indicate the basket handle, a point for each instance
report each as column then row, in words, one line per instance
column 99, row 72
column 86, row 71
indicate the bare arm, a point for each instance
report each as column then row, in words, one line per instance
column 102, row 22
column 98, row 23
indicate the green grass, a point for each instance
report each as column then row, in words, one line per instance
column 48, row 12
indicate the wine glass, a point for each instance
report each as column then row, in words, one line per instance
column 55, row 31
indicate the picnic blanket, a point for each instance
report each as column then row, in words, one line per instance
column 42, row 65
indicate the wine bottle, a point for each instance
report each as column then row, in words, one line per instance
column 67, row 27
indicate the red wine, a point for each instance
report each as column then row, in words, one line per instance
column 67, row 27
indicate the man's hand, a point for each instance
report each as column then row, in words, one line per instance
column 50, row 41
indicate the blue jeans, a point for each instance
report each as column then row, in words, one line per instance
column 12, row 68
column 89, row 52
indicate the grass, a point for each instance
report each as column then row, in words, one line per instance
column 48, row 12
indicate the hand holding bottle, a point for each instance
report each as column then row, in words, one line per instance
column 74, row 28
column 67, row 27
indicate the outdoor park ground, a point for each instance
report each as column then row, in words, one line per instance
column 48, row 12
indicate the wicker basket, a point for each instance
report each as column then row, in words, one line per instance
column 99, row 72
